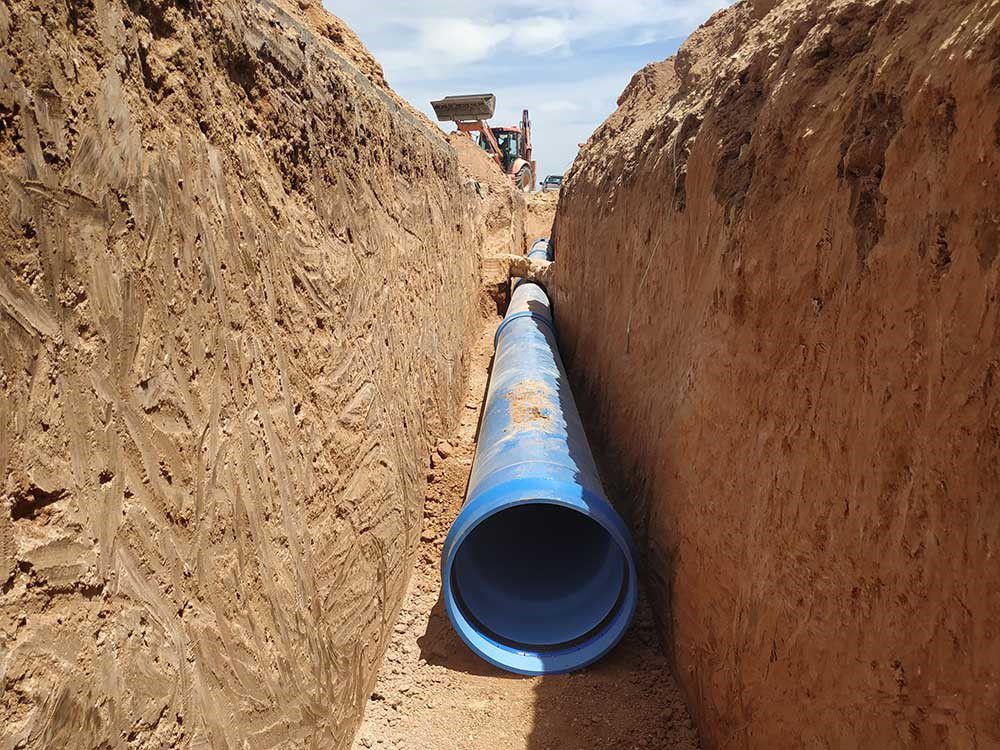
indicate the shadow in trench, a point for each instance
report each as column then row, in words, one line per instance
column 440, row 645
column 482, row 412
column 627, row 700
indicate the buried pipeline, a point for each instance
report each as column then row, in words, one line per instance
column 538, row 570
column 541, row 250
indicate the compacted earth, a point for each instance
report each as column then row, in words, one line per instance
column 245, row 289
column 540, row 214
column 777, row 302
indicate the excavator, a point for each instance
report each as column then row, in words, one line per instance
column 509, row 146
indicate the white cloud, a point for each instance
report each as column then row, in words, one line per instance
column 537, row 36
column 591, row 16
column 562, row 107
column 457, row 41
column 438, row 45
column 441, row 34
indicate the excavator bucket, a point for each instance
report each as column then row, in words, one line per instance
column 467, row 108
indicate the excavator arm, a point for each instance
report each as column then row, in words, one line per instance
column 482, row 127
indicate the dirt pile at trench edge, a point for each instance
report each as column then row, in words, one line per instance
column 501, row 209
column 777, row 286
column 225, row 247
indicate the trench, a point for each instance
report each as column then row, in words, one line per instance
column 433, row 693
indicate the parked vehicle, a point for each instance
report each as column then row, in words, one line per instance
column 552, row 183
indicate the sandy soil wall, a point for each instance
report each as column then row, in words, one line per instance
column 778, row 294
column 236, row 276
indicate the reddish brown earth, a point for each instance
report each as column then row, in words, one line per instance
column 502, row 210
column 778, row 296
column 225, row 247
column 432, row 692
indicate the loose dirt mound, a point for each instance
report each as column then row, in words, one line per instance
column 502, row 208
column 224, row 256
column 778, row 297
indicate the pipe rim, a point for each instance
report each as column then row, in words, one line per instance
column 543, row 319
column 593, row 645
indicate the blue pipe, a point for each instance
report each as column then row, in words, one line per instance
column 538, row 570
column 541, row 250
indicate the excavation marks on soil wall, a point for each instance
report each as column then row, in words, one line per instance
column 223, row 257
column 778, row 306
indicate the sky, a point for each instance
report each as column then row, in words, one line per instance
column 566, row 61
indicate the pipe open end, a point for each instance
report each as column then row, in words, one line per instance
column 540, row 578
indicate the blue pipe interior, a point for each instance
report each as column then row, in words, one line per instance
column 539, row 575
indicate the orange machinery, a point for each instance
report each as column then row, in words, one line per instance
column 509, row 146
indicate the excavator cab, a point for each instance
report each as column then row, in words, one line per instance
column 510, row 145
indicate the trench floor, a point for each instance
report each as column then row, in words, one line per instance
column 432, row 693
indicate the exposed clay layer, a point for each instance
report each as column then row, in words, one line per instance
column 777, row 294
column 236, row 276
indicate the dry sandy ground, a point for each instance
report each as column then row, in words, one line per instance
column 434, row 694
column 501, row 210
column 541, row 214
column 224, row 252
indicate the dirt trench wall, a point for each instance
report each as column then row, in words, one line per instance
column 778, row 297
column 235, row 283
